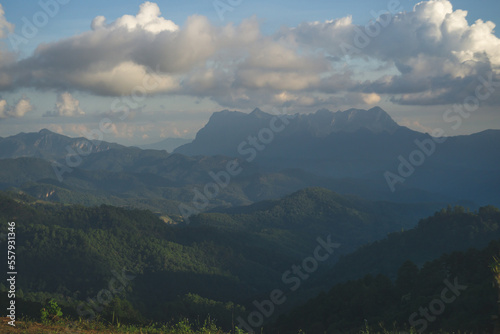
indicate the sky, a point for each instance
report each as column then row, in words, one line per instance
column 136, row 72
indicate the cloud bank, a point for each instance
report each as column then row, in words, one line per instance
column 429, row 55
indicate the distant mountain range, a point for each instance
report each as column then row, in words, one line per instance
column 167, row 144
column 359, row 144
column 350, row 152
column 227, row 129
column 48, row 145
column 242, row 243
column 101, row 172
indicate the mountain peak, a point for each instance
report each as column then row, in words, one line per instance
column 45, row 132
column 259, row 113
column 227, row 131
column 375, row 120
column 323, row 122
column 323, row 111
column 377, row 109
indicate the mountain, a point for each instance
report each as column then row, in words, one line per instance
column 159, row 184
column 405, row 265
column 70, row 252
column 167, row 144
column 225, row 261
column 159, row 181
column 57, row 168
column 49, row 146
column 453, row 293
column 311, row 212
column 358, row 144
column 324, row 122
column 391, row 278
column 226, row 129
column 448, row 230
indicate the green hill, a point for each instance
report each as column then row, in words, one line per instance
column 454, row 293
column 220, row 264
column 387, row 281
column 448, row 230
column 221, row 259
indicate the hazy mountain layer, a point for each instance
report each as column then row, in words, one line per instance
column 360, row 144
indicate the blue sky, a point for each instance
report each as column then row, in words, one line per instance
column 68, row 76
column 75, row 16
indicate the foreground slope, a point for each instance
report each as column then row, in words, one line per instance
column 72, row 252
column 388, row 282
column 454, row 293
column 221, row 263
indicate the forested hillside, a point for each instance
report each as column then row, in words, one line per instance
column 223, row 261
column 454, row 293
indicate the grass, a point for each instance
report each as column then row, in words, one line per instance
column 66, row 326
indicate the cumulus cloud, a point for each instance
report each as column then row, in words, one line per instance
column 67, row 106
column 113, row 59
column 427, row 55
column 7, row 58
column 21, row 108
column 5, row 27
column 149, row 54
column 436, row 53
column 148, row 19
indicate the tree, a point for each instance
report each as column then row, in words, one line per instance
column 495, row 267
column 52, row 312
column 407, row 277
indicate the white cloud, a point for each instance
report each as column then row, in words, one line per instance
column 285, row 98
column 429, row 55
column 3, row 109
column 66, row 106
column 435, row 50
column 148, row 18
column 125, row 78
column 7, row 58
column 371, row 98
column 21, row 108
column 5, row 27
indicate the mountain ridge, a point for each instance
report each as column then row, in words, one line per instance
column 235, row 125
column 359, row 144
column 360, row 156
column 49, row 145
